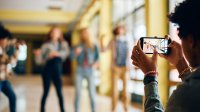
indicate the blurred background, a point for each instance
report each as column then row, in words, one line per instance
column 30, row 20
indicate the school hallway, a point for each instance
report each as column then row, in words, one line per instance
column 95, row 36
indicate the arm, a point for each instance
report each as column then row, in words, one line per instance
column 41, row 55
column 176, row 58
column 96, row 63
column 149, row 67
column 14, row 57
column 64, row 52
column 102, row 47
column 96, row 53
column 75, row 52
column 183, row 69
column 152, row 99
column 130, row 44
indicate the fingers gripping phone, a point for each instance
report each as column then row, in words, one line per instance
column 148, row 44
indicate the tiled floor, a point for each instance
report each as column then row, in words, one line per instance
column 29, row 91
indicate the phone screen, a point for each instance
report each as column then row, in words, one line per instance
column 160, row 44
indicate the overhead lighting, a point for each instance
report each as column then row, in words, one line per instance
column 55, row 5
column 54, row 8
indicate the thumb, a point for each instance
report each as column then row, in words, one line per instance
column 155, row 55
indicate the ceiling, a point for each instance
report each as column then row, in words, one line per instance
column 40, row 5
column 29, row 16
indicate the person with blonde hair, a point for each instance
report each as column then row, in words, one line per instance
column 87, row 55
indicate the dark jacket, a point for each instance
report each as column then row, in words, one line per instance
column 186, row 98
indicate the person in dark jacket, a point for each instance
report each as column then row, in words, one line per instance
column 186, row 98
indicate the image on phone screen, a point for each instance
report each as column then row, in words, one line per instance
column 160, row 44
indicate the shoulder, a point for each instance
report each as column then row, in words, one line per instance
column 188, row 87
column 194, row 75
column 177, row 98
column 186, row 95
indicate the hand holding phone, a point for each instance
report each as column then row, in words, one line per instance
column 148, row 44
column 142, row 61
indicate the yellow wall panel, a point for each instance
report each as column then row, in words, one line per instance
column 157, row 25
column 105, row 27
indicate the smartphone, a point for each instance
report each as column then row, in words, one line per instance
column 148, row 45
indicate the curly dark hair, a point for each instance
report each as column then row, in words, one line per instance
column 187, row 16
column 4, row 33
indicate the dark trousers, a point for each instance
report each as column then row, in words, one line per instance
column 52, row 72
column 7, row 89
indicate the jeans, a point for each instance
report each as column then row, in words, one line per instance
column 52, row 72
column 7, row 89
column 85, row 73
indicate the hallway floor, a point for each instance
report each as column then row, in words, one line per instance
column 29, row 91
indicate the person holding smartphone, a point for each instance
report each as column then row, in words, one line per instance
column 52, row 54
column 87, row 55
column 6, row 62
column 184, row 56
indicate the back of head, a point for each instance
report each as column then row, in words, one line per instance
column 4, row 33
column 187, row 16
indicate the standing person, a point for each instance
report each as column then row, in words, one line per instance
column 119, row 47
column 6, row 60
column 184, row 56
column 53, row 53
column 87, row 55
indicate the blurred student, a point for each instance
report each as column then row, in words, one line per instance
column 87, row 55
column 184, row 56
column 119, row 47
column 7, row 58
column 52, row 54
column 22, row 55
